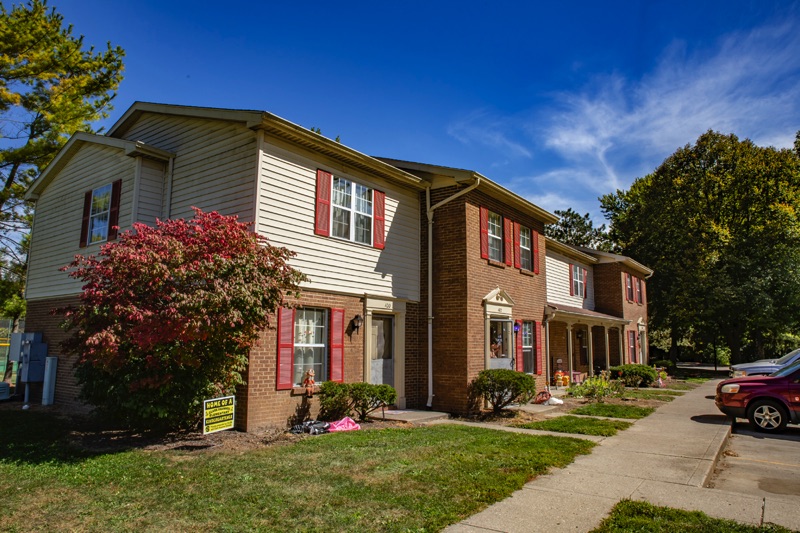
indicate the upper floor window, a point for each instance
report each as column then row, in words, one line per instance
column 525, row 248
column 638, row 287
column 349, row 210
column 629, row 287
column 100, row 214
column 578, row 277
column 495, row 237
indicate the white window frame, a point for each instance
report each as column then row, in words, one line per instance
column 578, row 282
column 629, row 291
column 350, row 203
column 525, row 249
column 97, row 213
column 495, row 227
column 299, row 366
column 637, row 289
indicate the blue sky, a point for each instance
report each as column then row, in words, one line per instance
column 560, row 101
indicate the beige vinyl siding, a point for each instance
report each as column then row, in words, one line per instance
column 59, row 213
column 215, row 163
column 557, row 269
column 286, row 217
column 151, row 191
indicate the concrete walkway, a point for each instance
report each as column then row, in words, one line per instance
column 664, row 459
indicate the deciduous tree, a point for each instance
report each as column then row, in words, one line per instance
column 719, row 222
column 168, row 315
column 578, row 230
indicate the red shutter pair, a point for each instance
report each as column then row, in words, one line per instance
column 113, row 214
column 322, row 216
column 285, row 356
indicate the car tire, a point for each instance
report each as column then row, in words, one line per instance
column 768, row 416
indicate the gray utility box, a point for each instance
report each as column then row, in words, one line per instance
column 30, row 352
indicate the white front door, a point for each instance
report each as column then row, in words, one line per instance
column 382, row 339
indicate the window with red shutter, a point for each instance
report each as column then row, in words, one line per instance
column 571, row 280
column 517, row 244
column 628, row 287
column 322, row 219
column 484, row 233
column 100, row 214
column 285, row 362
column 638, row 284
column 508, row 236
column 379, row 233
column 585, row 284
column 535, row 252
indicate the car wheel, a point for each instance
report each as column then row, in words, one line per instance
column 766, row 415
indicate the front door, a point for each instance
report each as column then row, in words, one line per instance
column 382, row 339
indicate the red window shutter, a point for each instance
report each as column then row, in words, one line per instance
column 644, row 297
column 537, row 329
column 517, row 253
column 508, row 238
column 571, row 287
column 337, row 345
column 322, row 221
column 535, row 238
column 635, row 347
column 87, row 210
column 285, row 362
column 113, row 215
column 519, row 359
column 484, row 233
column 585, row 284
column 379, row 220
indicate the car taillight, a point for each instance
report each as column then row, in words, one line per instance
column 730, row 388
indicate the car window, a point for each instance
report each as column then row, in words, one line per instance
column 786, row 358
column 787, row 370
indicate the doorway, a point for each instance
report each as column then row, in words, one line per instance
column 382, row 339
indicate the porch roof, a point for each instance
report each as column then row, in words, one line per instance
column 576, row 314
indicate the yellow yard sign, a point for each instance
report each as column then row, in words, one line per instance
column 218, row 414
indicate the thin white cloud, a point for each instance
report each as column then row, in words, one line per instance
column 481, row 128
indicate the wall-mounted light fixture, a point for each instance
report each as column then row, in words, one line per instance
column 516, row 327
column 357, row 322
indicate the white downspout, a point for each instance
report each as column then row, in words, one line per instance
column 430, row 211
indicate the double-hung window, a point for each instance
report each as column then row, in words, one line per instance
column 101, row 214
column 352, row 211
column 629, row 287
column 525, row 248
column 310, row 338
column 638, row 286
column 578, row 278
column 632, row 346
column 310, row 344
column 495, row 237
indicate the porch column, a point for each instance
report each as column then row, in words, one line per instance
column 590, row 350
column 608, row 347
column 547, row 370
column 621, row 345
column 569, row 350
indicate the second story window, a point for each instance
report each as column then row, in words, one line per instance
column 352, row 211
column 349, row 210
column 629, row 287
column 578, row 281
column 638, row 288
column 525, row 249
column 495, row 237
column 101, row 214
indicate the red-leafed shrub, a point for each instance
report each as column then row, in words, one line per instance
column 168, row 315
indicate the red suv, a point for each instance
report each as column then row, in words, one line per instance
column 769, row 402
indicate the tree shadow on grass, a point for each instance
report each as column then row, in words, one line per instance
column 41, row 437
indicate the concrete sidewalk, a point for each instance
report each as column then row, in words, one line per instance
column 664, row 459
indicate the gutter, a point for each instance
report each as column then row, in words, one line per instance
column 429, row 210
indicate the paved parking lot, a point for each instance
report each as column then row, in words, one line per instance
column 760, row 464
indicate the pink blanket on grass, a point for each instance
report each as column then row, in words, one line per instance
column 345, row 424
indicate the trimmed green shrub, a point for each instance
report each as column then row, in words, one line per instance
column 338, row 400
column 366, row 397
column 334, row 400
column 597, row 388
column 666, row 364
column 502, row 387
column 634, row 375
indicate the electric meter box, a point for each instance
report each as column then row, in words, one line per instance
column 30, row 352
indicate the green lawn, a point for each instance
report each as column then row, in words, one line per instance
column 664, row 395
column 377, row 480
column 636, row 516
column 613, row 411
column 680, row 385
column 576, row 424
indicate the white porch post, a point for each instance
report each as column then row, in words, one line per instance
column 608, row 347
column 621, row 345
column 569, row 351
column 590, row 350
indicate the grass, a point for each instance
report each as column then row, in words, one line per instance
column 663, row 395
column 578, row 425
column 377, row 480
column 680, row 385
column 613, row 411
column 630, row 516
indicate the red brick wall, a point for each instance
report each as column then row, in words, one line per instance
column 461, row 280
column 39, row 317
